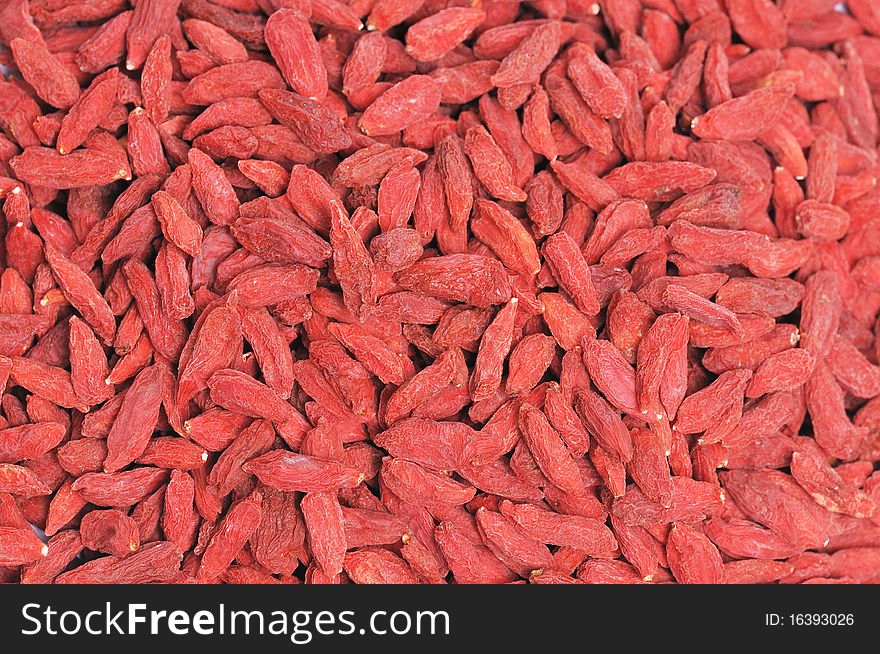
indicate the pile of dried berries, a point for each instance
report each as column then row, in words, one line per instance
column 440, row 290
